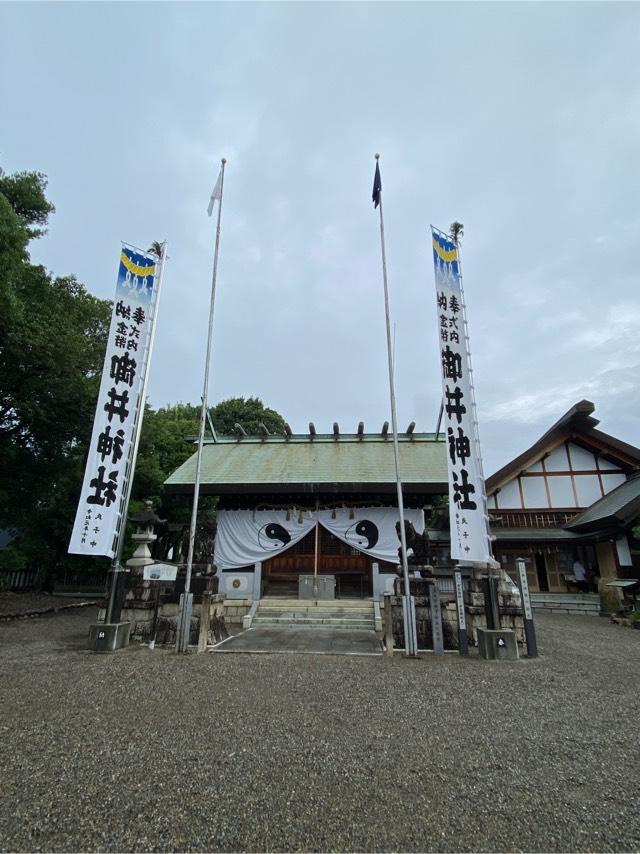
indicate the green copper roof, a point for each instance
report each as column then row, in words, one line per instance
column 322, row 464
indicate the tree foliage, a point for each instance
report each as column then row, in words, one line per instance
column 164, row 447
column 53, row 335
column 52, row 342
column 249, row 413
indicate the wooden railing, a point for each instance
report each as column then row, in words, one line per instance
column 530, row 518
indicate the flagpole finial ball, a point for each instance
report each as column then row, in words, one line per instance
column 224, row 159
column 377, row 156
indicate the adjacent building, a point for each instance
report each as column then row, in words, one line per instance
column 574, row 494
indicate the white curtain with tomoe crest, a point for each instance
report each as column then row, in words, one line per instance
column 245, row 537
column 371, row 530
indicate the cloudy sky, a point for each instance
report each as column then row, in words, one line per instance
column 520, row 120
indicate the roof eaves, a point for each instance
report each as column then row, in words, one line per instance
column 577, row 419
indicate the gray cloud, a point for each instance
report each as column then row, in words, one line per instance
column 521, row 120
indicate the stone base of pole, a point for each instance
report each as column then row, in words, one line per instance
column 108, row 637
column 183, row 630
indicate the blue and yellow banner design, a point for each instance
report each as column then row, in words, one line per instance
column 445, row 255
column 136, row 275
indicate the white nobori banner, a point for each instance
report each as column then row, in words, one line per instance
column 467, row 500
column 100, row 508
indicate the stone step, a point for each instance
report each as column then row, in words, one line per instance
column 565, row 597
column 298, row 620
column 567, row 603
column 317, row 604
column 339, row 613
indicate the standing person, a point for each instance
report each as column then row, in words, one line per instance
column 581, row 576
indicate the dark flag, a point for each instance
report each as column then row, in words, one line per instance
column 377, row 186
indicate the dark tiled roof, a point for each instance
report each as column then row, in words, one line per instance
column 616, row 509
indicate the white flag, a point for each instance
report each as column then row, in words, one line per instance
column 216, row 194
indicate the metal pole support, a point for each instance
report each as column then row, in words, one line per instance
column 409, row 621
column 184, row 622
column 491, row 606
column 529, row 628
column 463, row 639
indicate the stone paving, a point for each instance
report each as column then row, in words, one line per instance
column 324, row 640
column 149, row 751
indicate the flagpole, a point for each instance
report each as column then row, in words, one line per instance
column 410, row 641
column 182, row 637
column 116, row 563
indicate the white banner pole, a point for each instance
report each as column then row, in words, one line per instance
column 474, row 406
column 131, row 467
column 410, row 641
column 470, row 531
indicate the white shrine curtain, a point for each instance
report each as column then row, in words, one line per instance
column 245, row 537
column 371, row 530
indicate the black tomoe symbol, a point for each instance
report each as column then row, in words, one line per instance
column 364, row 534
column 273, row 536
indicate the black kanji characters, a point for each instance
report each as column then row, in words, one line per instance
column 454, row 305
column 120, row 341
column 110, row 446
column 123, row 369
column 451, row 364
column 462, row 489
column 123, row 310
column 120, row 409
column 138, row 316
column 105, row 490
column 442, row 300
column 459, row 446
column 454, row 405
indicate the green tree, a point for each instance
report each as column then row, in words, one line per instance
column 249, row 413
column 52, row 341
column 164, row 446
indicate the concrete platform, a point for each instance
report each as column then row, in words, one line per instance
column 303, row 639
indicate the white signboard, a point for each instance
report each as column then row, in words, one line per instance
column 160, row 572
column 100, row 508
column 467, row 500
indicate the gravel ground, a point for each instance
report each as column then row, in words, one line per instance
column 25, row 603
column 144, row 750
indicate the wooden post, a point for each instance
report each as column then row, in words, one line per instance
column 388, row 625
column 154, row 625
column 205, row 616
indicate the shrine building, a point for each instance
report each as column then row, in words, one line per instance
column 326, row 505
column 574, row 494
column 291, row 505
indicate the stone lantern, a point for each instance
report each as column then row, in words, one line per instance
column 144, row 536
